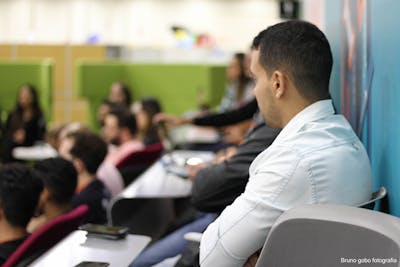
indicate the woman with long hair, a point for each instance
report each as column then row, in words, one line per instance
column 25, row 124
column 145, row 110
column 239, row 88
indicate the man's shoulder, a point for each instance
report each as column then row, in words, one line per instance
column 321, row 135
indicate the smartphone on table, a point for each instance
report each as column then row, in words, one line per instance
column 105, row 231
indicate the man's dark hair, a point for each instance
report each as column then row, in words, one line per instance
column 125, row 119
column 20, row 188
column 301, row 50
column 59, row 177
column 89, row 148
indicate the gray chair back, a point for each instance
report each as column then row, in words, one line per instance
column 332, row 236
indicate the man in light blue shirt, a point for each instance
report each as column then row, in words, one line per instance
column 317, row 158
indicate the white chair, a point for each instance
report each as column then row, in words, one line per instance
column 332, row 236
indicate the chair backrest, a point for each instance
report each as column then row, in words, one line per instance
column 146, row 156
column 48, row 235
column 137, row 162
column 332, row 235
column 377, row 195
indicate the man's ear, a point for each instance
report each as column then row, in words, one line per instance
column 279, row 84
column 45, row 195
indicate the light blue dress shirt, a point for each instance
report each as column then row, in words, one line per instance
column 317, row 158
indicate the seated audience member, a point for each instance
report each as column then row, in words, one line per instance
column 19, row 194
column 145, row 110
column 214, row 187
column 25, row 124
column 316, row 158
column 106, row 173
column 105, row 107
column 120, row 94
column 87, row 151
column 239, row 89
column 59, row 179
column 120, row 129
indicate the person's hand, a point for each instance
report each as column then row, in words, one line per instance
column 170, row 119
column 225, row 154
column 252, row 261
column 194, row 169
column 19, row 136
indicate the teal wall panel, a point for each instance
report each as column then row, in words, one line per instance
column 377, row 49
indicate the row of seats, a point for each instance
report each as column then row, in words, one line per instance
column 46, row 237
column 307, row 235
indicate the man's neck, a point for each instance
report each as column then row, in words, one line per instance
column 125, row 138
column 294, row 108
column 53, row 210
column 10, row 233
column 84, row 179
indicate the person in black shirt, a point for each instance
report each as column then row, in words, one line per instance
column 20, row 189
column 59, row 178
column 87, row 151
column 25, row 124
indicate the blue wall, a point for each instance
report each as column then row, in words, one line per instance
column 382, row 133
column 384, row 139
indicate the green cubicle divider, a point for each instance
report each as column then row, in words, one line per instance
column 13, row 74
column 177, row 86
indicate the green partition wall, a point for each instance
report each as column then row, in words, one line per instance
column 179, row 87
column 13, row 74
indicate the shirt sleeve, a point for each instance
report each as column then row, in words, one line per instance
column 242, row 228
column 231, row 117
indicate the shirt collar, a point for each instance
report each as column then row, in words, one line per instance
column 313, row 112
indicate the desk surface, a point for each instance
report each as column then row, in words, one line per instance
column 36, row 152
column 156, row 182
column 76, row 248
column 187, row 134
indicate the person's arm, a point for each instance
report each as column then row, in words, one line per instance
column 215, row 119
column 274, row 186
column 227, row 118
column 217, row 186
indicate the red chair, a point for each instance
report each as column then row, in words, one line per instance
column 146, row 156
column 137, row 162
column 47, row 236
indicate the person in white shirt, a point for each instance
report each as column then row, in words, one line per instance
column 316, row 158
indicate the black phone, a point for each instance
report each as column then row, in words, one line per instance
column 92, row 264
column 105, row 231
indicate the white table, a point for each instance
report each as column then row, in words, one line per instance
column 186, row 134
column 154, row 190
column 157, row 182
column 36, row 152
column 76, row 248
